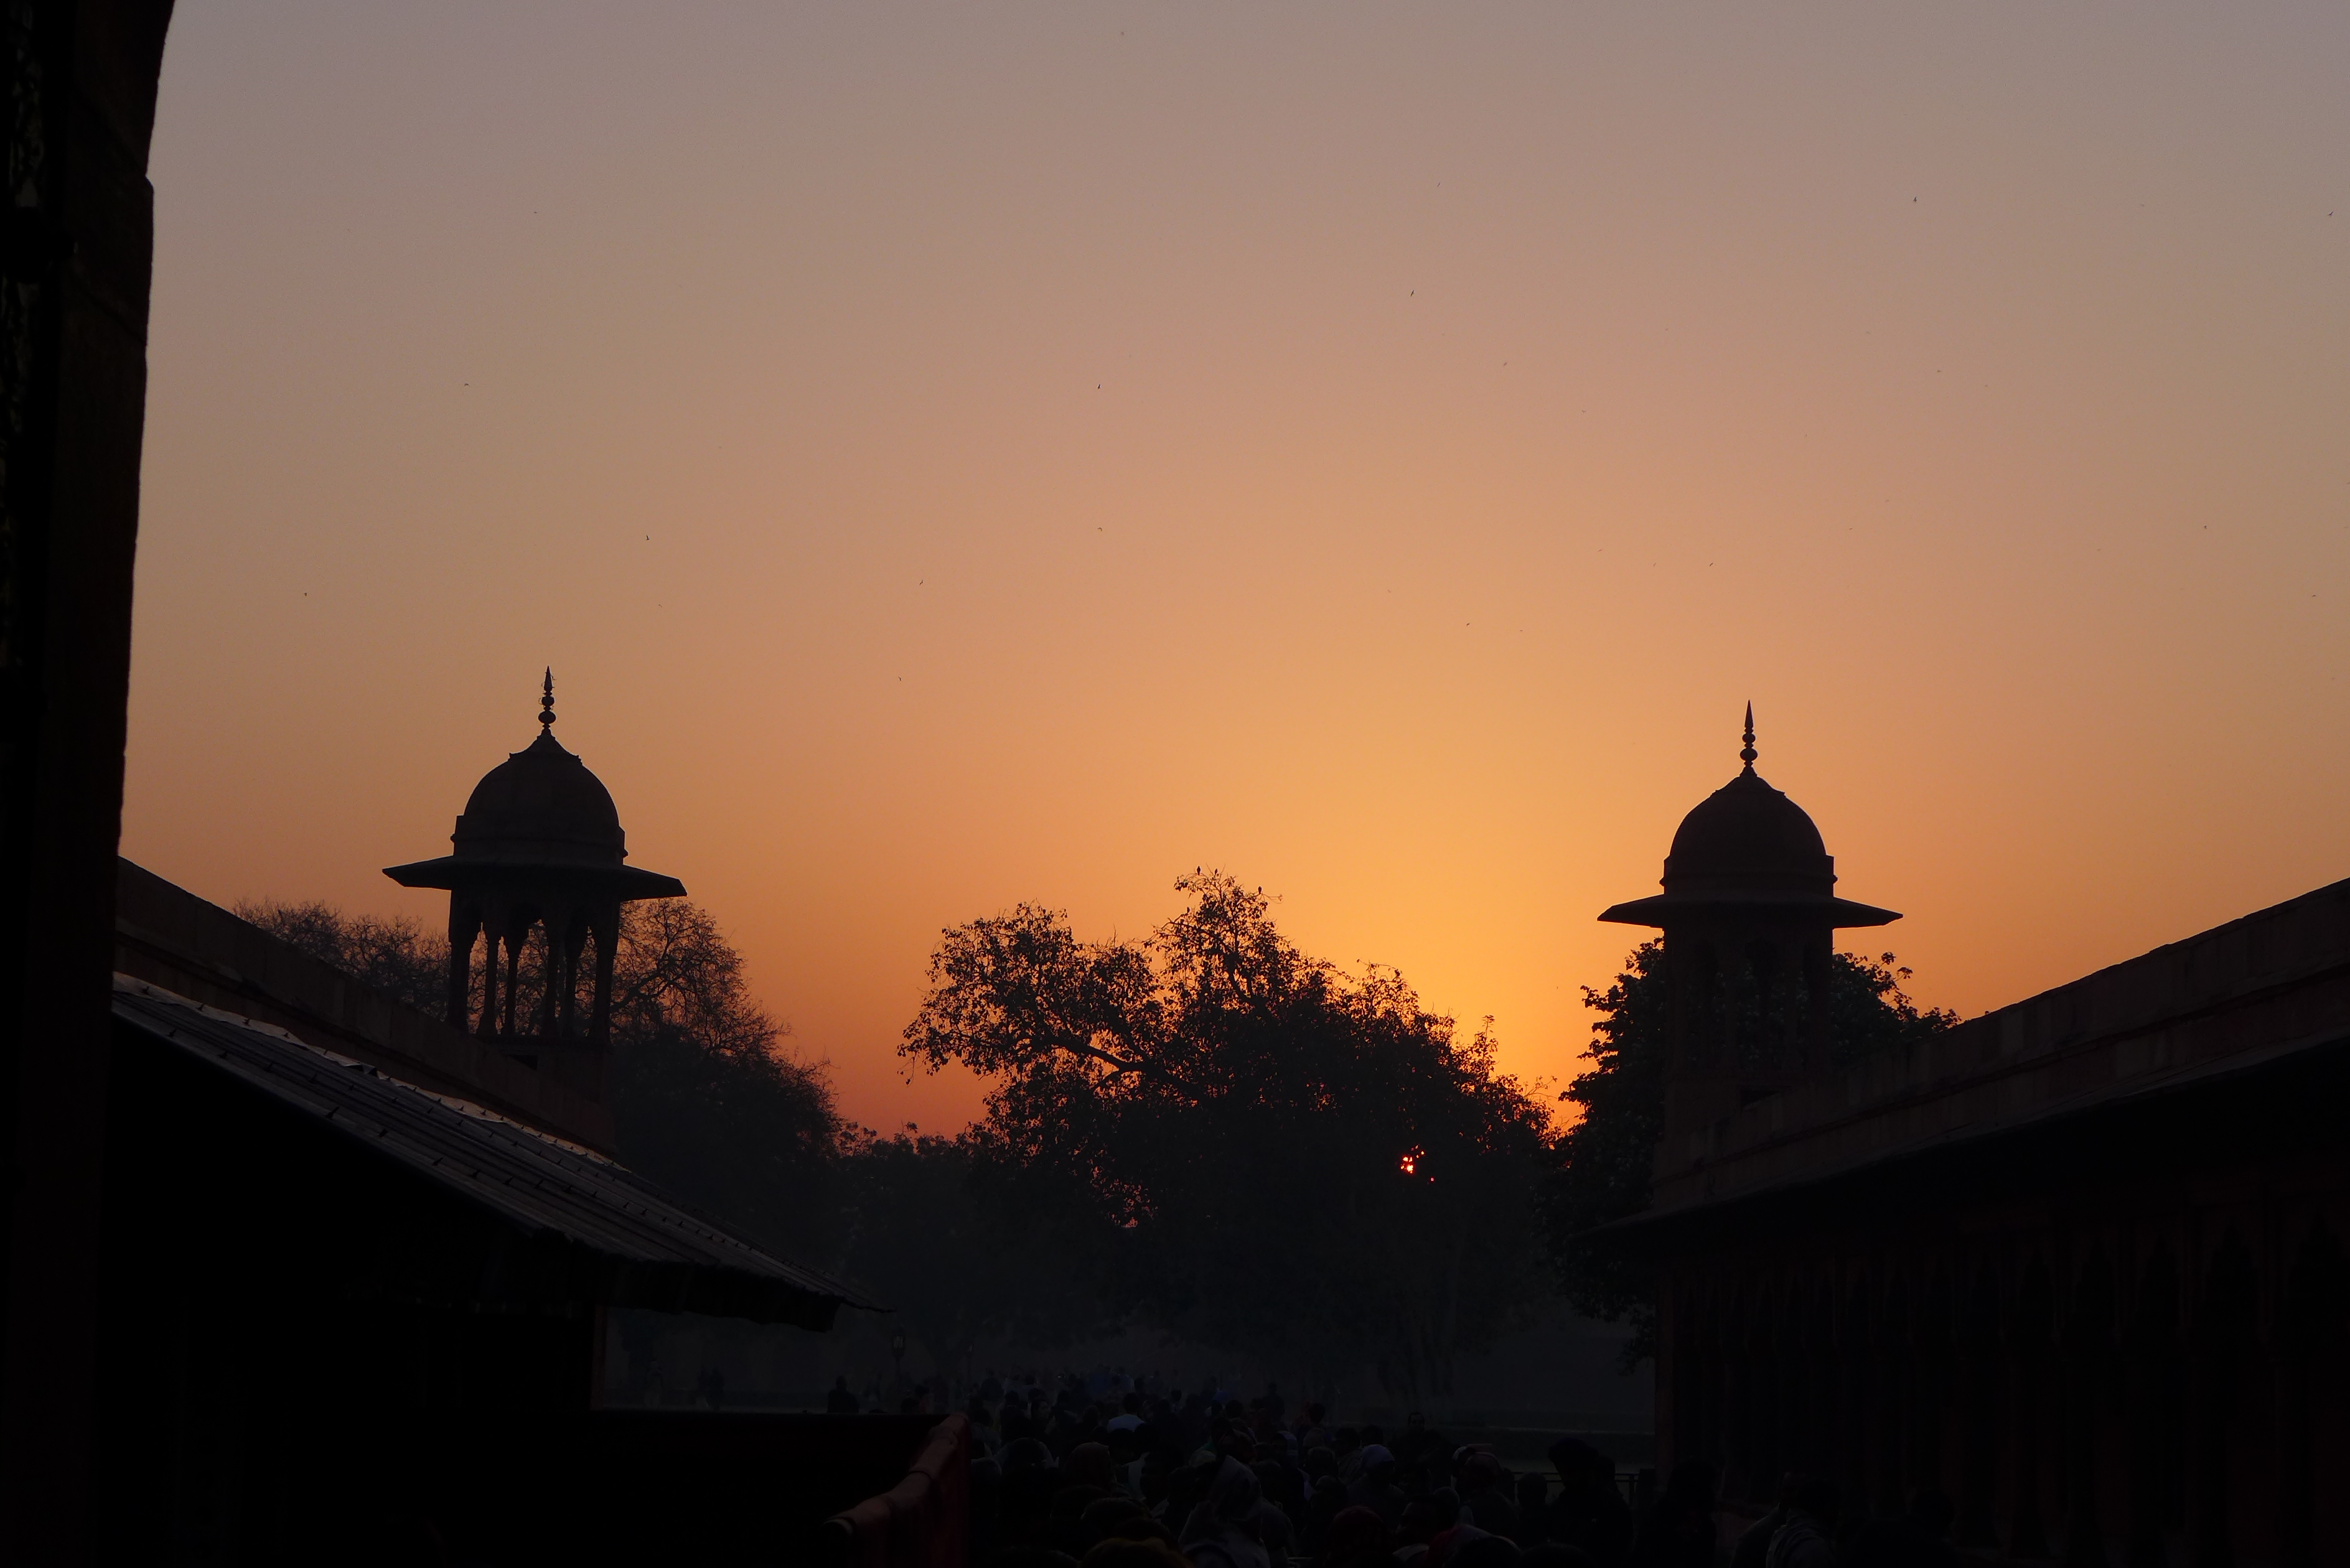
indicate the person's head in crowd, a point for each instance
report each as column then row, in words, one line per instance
column 1090, row 1464
column 1357, row 1538
column 1157, row 1468
column 1228, row 1519
column 1377, row 1463
column 1448, row 1542
column 1346, row 1440
column 1481, row 1472
column 1187, row 1489
column 1072, row 1500
column 1065, row 1526
column 1278, row 1482
column 1423, row 1517
column 1551, row 1554
column 1117, row 1551
column 1320, row 1462
column 1486, row 1551
column 1141, row 1527
column 1234, row 1493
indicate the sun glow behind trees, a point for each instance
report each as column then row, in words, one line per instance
column 1205, row 1119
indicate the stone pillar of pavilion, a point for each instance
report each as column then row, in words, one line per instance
column 1749, row 915
column 538, row 849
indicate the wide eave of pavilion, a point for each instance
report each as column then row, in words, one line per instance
column 457, row 873
column 1669, row 909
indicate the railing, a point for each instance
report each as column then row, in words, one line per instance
column 923, row 1521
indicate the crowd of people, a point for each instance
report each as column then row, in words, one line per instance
column 1132, row 1476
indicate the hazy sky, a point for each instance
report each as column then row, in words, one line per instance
column 964, row 455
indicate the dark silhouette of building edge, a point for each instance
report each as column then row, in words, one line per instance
column 2075, row 1263
column 77, row 241
column 74, row 269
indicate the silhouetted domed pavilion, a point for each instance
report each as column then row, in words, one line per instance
column 1750, row 913
column 1748, row 844
column 538, row 845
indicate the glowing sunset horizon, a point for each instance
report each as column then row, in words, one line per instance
column 951, row 459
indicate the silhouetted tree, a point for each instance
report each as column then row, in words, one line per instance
column 396, row 956
column 1604, row 1161
column 705, row 1098
column 1243, row 1144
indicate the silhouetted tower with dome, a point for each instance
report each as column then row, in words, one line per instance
column 1750, row 915
column 538, row 846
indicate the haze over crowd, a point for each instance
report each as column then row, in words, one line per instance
column 960, row 458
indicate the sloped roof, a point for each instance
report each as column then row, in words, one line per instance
column 649, row 1251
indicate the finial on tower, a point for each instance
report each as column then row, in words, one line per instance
column 1746, row 753
column 546, row 705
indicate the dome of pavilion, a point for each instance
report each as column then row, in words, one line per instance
column 1747, row 837
column 541, row 805
column 1748, row 844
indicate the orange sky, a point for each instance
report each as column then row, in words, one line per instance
column 955, row 455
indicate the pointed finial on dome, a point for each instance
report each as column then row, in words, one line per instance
column 546, row 705
column 1746, row 753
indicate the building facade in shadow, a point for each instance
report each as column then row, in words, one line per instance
column 356, row 1261
column 2077, row 1263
